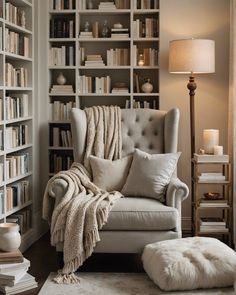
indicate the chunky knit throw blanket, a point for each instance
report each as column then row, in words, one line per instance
column 84, row 209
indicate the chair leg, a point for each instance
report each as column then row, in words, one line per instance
column 60, row 259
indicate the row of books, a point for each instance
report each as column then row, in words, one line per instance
column 122, row 4
column 1, row 172
column 59, row 162
column 16, row 135
column 14, row 276
column 118, row 57
column 136, row 104
column 145, row 29
column 88, row 84
column 17, row 195
column 23, row 218
column 146, row 4
column 61, row 137
column 62, row 56
column 16, row 43
column 17, row 165
column 16, row 107
column 150, row 56
column 15, row 15
column 213, row 224
column 59, row 89
column 62, row 27
column 15, row 77
column 61, row 111
column 62, row 4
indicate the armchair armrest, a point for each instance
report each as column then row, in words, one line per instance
column 57, row 190
column 177, row 191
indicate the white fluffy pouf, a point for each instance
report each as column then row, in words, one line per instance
column 190, row 263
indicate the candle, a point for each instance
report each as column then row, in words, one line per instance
column 218, row 150
column 210, row 139
column 141, row 60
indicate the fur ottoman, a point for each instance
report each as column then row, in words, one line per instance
column 190, row 263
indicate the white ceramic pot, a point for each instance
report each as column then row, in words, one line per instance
column 10, row 238
column 61, row 79
column 147, row 87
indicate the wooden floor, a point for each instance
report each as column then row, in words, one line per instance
column 44, row 260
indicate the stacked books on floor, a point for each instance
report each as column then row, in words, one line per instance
column 14, row 278
column 213, row 224
column 106, row 6
column 94, row 60
column 58, row 89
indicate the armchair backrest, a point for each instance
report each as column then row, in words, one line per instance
column 152, row 131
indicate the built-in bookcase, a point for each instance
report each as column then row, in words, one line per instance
column 101, row 67
column 16, row 115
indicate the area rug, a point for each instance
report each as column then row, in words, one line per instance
column 116, row 284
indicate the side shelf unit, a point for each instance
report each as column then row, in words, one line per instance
column 104, row 52
column 212, row 200
column 16, row 115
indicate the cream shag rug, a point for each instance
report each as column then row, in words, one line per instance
column 116, row 284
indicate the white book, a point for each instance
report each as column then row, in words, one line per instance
column 8, row 267
column 26, row 283
column 11, row 279
column 211, row 158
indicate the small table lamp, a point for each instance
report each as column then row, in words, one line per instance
column 192, row 56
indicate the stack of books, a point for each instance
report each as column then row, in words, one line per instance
column 119, row 90
column 213, row 224
column 211, row 158
column 86, row 35
column 58, row 89
column 94, row 60
column 120, row 33
column 106, row 5
column 14, row 278
column 211, row 177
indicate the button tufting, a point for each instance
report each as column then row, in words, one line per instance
column 143, row 133
column 156, row 133
column 150, row 119
column 136, row 145
column 129, row 133
column 150, row 147
column 137, row 119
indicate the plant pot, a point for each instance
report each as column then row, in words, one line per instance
column 10, row 238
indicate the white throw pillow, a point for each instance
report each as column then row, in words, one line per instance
column 110, row 175
column 150, row 174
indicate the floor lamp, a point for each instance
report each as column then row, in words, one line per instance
column 192, row 56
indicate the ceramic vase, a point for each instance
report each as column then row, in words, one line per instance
column 61, row 79
column 10, row 238
column 147, row 87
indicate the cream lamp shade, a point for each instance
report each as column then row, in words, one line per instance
column 189, row 56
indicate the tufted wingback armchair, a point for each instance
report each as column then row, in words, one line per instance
column 133, row 220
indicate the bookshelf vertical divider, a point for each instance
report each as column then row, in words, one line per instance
column 90, row 76
column 16, row 116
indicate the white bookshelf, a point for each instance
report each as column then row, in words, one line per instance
column 99, row 46
column 8, row 208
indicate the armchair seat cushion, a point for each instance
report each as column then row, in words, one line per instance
column 132, row 213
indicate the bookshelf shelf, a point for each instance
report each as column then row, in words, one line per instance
column 19, row 148
column 104, row 12
column 15, row 179
column 17, row 117
column 17, row 28
column 17, row 57
column 92, row 81
column 15, row 209
column 63, row 11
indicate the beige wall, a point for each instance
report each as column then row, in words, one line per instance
column 195, row 19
